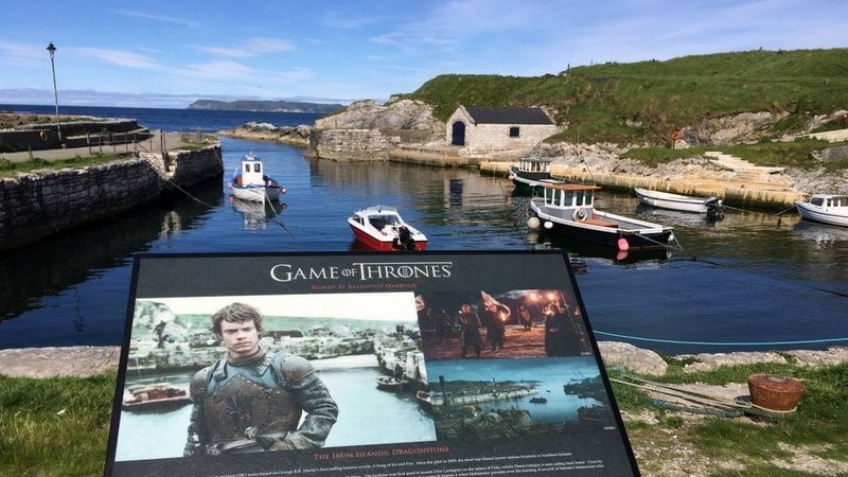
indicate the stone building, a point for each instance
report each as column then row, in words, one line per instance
column 496, row 129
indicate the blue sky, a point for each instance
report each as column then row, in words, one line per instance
column 167, row 53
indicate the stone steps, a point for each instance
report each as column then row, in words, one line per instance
column 738, row 164
column 749, row 174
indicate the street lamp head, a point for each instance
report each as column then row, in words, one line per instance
column 51, row 48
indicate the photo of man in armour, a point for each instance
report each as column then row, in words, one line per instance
column 253, row 401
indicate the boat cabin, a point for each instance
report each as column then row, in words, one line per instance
column 534, row 164
column 829, row 201
column 252, row 172
column 379, row 218
column 574, row 202
column 570, row 196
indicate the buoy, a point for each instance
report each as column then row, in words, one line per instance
column 549, row 225
column 533, row 223
column 621, row 255
column 282, row 190
column 623, row 245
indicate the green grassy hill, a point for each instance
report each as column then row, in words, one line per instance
column 655, row 97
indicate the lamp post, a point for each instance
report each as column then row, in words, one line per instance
column 52, row 50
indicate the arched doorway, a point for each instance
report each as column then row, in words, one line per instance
column 458, row 134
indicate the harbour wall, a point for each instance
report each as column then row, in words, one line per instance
column 733, row 192
column 40, row 203
column 36, row 137
column 348, row 144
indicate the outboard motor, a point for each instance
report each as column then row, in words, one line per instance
column 405, row 239
column 715, row 209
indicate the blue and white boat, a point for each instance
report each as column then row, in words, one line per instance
column 250, row 182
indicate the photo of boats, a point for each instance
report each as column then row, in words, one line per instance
column 478, row 400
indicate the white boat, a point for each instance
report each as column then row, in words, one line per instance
column 711, row 206
column 250, row 182
column 568, row 210
column 381, row 228
column 531, row 174
column 825, row 208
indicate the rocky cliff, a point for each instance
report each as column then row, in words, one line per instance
column 404, row 115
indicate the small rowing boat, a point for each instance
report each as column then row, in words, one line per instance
column 711, row 206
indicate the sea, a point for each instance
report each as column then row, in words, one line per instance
column 755, row 281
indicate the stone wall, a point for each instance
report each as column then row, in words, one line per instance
column 39, row 203
column 484, row 138
column 488, row 138
column 43, row 136
column 349, row 144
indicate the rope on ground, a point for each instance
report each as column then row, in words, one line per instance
column 711, row 405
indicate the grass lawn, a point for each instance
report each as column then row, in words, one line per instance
column 58, row 427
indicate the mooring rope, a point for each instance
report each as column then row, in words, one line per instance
column 279, row 220
column 171, row 181
column 716, row 405
column 721, row 343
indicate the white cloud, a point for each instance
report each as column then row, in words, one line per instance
column 158, row 18
column 292, row 76
column 222, row 71
column 249, row 48
column 335, row 19
column 120, row 58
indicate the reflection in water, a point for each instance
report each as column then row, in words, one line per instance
column 56, row 267
column 579, row 249
column 747, row 272
column 822, row 236
column 257, row 214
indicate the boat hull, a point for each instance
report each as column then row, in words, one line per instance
column 527, row 183
column 815, row 214
column 382, row 244
column 255, row 193
column 157, row 405
column 640, row 236
column 668, row 201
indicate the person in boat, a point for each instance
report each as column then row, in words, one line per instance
column 564, row 335
column 469, row 325
column 277, row 389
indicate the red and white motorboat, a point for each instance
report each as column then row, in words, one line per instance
column 382, row 228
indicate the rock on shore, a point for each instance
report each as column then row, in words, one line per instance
column 252, row 131
column 84, row 361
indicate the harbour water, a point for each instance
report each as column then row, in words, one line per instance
column 754, row 281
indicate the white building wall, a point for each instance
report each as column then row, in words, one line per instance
column 482, row 138
column 495, row 137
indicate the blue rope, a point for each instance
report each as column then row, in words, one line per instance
column 721, row 343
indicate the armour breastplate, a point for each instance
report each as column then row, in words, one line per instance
column 254, row 395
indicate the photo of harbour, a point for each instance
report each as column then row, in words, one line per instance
column 499, row 399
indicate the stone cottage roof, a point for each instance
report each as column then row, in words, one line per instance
column 508, row 115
